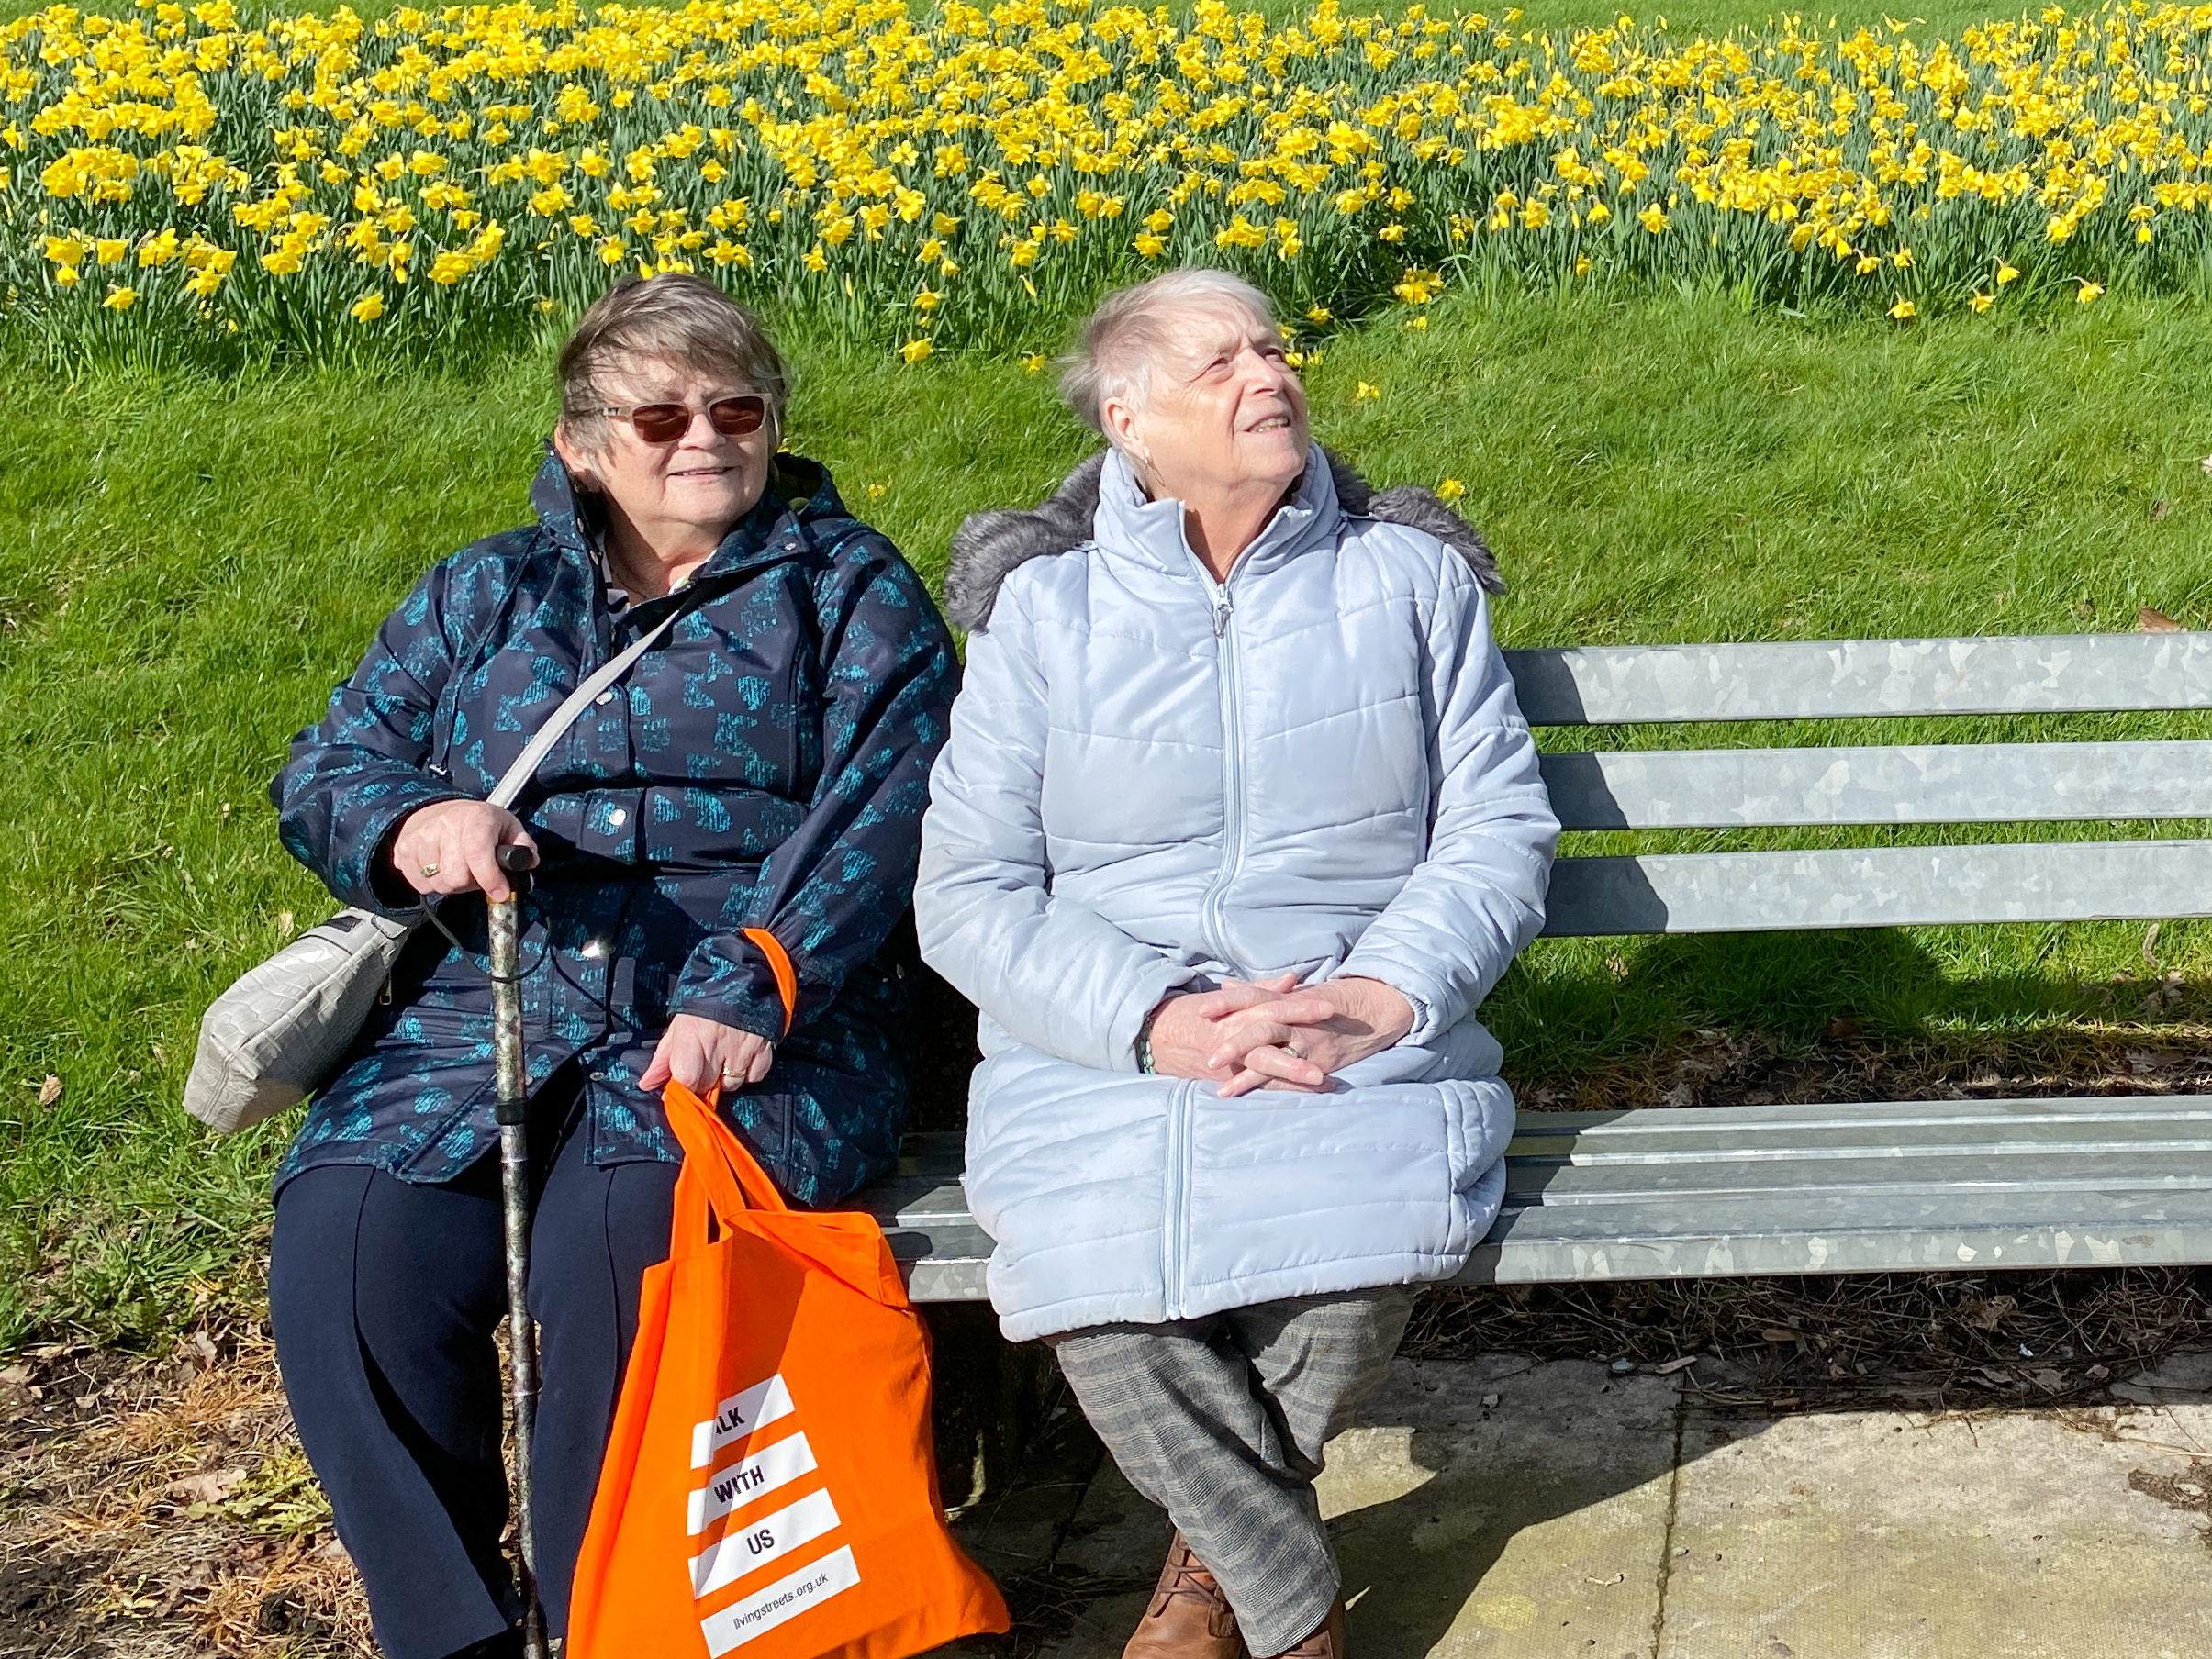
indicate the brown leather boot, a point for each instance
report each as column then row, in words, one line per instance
column 1190, row 1618
column 1326, row 1643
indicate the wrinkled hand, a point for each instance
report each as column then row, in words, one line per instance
column 1300, row 1040
column 1186, row 1027
column 454, row 847
column 702, row 1054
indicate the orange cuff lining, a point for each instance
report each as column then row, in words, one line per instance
column 779, row 963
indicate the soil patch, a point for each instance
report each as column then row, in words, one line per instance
column 162, row 1508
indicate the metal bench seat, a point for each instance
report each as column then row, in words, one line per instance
column 1723, row 1191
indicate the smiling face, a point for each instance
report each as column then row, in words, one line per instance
column 677, row 500
column 1224, row 413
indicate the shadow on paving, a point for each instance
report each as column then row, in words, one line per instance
column 1426, row 1496
column 1499, row 1507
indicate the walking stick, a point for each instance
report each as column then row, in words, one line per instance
column 513, row 1113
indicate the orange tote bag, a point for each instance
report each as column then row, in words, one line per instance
column 770, row 1488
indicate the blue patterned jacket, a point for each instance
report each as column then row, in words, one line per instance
column 764, row 766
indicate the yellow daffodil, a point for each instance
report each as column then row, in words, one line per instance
column 1034, row 364
column 1451, row 489
column 914, row 351
column 767, row 139
column 120, row 299
column 1904, row 310
column 1363, row 392
column 367, row 308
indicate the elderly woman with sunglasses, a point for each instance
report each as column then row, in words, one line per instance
column 725, row 847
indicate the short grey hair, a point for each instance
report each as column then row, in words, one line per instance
column 1113, row 350
column 669, row 319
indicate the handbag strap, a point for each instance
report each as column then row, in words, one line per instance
column 515, row 777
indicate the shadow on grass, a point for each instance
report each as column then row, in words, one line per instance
column 1576, row 1007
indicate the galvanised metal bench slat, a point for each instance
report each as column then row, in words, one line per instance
column 1879, row 887
column 2056, row 673
column 1759, row 1131
column 2049, row 1169
column 1917, row 783
column 1930, row 1232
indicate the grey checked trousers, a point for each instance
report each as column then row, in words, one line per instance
column 1220, row 1421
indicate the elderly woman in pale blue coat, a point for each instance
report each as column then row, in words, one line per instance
column 1238, row 824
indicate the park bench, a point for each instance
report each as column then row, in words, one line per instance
column 1922, row 1185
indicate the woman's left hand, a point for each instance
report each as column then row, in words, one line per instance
column 1301, row 1040
column 702, row 1054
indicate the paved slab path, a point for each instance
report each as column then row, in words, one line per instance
column 1499, row 1506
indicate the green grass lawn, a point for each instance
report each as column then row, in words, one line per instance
column 186, row 563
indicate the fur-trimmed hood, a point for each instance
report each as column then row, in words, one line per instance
column 989, row 547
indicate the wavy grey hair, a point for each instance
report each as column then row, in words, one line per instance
column 671, row 319
column 1114, row 348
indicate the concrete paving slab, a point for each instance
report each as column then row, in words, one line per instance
column 2029, row 1534
column 1502, row 1508
column 1492, row 1507
column 1499, row 1507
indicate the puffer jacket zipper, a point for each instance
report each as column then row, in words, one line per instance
column 1211, row 917
column 1174, row 1224
column 1214, row 924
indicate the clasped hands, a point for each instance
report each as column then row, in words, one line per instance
column 1275, row 1033
column 454, row 847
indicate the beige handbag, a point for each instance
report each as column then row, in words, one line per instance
column 277, row 1035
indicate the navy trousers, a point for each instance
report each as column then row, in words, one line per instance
column 384, row 1298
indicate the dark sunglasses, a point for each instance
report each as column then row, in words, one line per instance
column 667, row 422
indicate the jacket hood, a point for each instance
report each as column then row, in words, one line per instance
column 990, row 547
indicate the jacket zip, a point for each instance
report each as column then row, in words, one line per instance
column 1215, row 925
column 1211, row 916
column 1177, row 1187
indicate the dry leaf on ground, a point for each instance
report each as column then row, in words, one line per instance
column 205, row 1488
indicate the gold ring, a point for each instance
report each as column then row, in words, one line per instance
column 428, row 868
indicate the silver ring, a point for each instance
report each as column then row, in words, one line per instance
column 428, row 870
column 732, row 1079
column 1291, row 1049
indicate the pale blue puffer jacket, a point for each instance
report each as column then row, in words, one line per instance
column 1157, row 781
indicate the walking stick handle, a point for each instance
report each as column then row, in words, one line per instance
column 517, row 861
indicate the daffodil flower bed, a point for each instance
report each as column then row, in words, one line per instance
column 973, row 176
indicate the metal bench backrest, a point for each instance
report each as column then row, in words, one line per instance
column 1882, row 785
